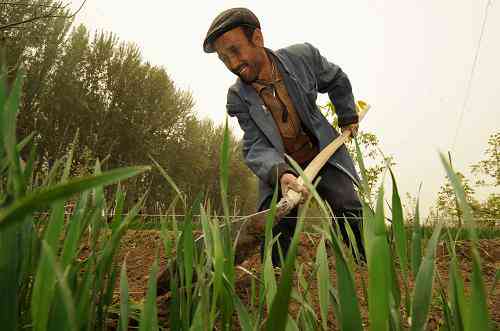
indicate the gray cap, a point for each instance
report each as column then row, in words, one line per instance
column 228, row 20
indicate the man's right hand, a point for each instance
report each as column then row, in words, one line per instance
column 288, row 181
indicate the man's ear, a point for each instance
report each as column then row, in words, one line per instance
column 257, row 38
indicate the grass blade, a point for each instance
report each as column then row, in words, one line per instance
column 269, row 279
column 365, row 187
column 478, row 315
column 246, row 323
column 416, row 242
column 394, row 297
column 166, row 176
column 400, row 237
column 422, row 293
column 119, row 202
column 218, row 265
column 323, row 279
column 495, row 282
column 124, row 305
column 456, row 289
column 8, row 123
column 9, row 274
column 348, row 305
column 44, row 283
column 278, row 314
column 344, row 298
column 188, row 250
column 48, row 195
column 224, row 169
column 3, row 98
column 378, row 268
column 149, row 315
column 67, row 298
column 74, row 232
column 207, row 240
column 69, row 159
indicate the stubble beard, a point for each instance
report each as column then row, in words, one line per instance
column 253, row 71
column 251, row 74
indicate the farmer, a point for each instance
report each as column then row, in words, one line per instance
column 274, row 100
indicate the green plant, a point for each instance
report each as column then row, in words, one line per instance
column 59, row 272
column 45, row 282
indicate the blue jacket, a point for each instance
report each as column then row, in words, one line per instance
column 305, row 73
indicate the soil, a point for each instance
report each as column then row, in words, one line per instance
column 141, row 247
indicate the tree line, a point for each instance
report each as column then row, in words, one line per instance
column 485, row 175
column 98, row 91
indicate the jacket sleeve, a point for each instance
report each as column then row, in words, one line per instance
column 260, row 156
column 332, row 80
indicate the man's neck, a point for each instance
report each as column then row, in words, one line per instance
column 266, row 74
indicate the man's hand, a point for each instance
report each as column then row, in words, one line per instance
column 289, row 182
column 351, row 127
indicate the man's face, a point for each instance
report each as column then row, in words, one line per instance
column 241, row 56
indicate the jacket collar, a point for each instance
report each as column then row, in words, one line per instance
column 251, row 97
column 248, row 92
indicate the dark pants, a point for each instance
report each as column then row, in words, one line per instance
column 345, row 205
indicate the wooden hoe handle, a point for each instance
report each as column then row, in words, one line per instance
column 292, row 198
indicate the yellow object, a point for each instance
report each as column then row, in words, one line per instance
column 361, row 105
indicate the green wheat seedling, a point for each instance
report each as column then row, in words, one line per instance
column 46, row 283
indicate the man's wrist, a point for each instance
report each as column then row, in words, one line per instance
column 348, row 119
column 278, row 171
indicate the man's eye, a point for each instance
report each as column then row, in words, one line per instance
column 235, row 51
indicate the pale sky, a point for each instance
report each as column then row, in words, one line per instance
column 410, row 59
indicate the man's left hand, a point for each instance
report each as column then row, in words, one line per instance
column 351, row 127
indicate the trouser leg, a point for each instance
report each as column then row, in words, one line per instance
column 337, row 189
column 355, row 220
column 285, row 229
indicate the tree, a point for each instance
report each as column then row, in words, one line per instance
column 32, row 46
column 34, row 11
column 124, row 110
column 489, row 167
column 488, row 173
column 202, row 151
column 489, row 210
column 446, row 206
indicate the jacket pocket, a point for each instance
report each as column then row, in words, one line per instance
column 236, row 110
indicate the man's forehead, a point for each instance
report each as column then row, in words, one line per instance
column 230, row 38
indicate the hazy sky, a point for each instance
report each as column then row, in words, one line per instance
column 411, row 60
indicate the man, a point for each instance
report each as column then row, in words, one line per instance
column 274, row 100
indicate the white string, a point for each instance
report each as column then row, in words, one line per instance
column 471, row 76
column 239, row 216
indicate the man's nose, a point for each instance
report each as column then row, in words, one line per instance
column 234, row 63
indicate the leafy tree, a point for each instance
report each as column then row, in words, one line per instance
column 488, row 173
column 485, row 212
column 32, row 45
column 203, row 150
column 489, row 167
column 446, row 205
column 123, row 108
column 31, row 12
column 490, row 209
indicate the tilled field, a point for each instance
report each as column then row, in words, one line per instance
column 140, row 248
